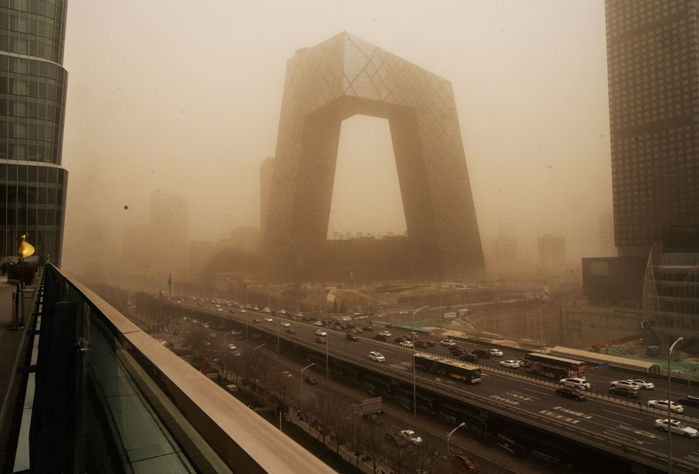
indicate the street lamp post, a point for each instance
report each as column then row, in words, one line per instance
column 303, row 383
column 451, row 433
column 257, row 347
column 414, row 350
column 669, row 402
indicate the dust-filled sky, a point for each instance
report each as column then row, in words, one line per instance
column 176, row 96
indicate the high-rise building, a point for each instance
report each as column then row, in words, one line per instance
column 266, row 173
column 551, row 251
column 653, row 67
column 605, row 234
column 505, row 253
column 335, row 80
column 32, row 109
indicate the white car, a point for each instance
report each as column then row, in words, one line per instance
column 267, row 310
column 376, row 356
column 644, row 384
column 321, row 333
column 318, row 323
column 575, row 382
column 625, row 383
column 448, row 342
column 411, row 436
column 407, row 344
column 232, row 347
column 385, row 334
column 286, row 325
column 662, row 405
column 269, row 320
column 495, row 352
column 676, row 427
column 512, row 364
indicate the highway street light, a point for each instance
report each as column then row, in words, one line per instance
column 303, row 382
column 257, row 347
column 414, row 350
column 669, row 404
column 451, row 433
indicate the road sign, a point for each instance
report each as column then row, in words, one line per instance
column 368, row 406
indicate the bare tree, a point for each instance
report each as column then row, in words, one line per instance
column 372, row 441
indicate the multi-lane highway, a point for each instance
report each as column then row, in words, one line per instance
column 613, row 424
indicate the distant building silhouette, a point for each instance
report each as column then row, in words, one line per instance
column 652, row 56
column 505, row 253
column 335, row 80
column 605, row 229
column 551, row 251
column 266, row 173
column 32, row 108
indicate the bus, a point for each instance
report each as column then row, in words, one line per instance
column 453, row 369
column 554, row 367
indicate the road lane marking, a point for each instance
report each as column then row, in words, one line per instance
column 621, row 414
column 560, row 417
column 521, row 396
column 647, row 434
column 573, row 412
column 624, row 438
column 504, row 399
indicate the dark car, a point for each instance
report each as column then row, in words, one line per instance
column 368, row 328
column 420, row 344
column 689, row 400
column 351, row 337
column 570, row 392
column 431, row 343
column 290, row 331
column 320, row 340
column 627, row 392
column 480, row 353
column 396, row 440
column 457, row 350
column 309, row 379
column 468, row 358
column 399, row 339
column 380, row 337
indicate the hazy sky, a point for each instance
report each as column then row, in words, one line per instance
column 184, row 97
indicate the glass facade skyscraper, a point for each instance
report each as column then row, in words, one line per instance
column 32, row 109
column 653, row 67
column 335, row 80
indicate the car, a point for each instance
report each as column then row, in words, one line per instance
column 351, row 337
column 481, row 354
column 318, row 323
column 689, row 400
column 448, row 342
column 395, row 440
column 468, row 358
column 624, row 391
column 464, row 462
column 570, row 392
column 283, row 312
column 290, row 331
column 321, row 333
column 511, row 364
column 232, row 347
column 285, row 324
column 676, row 427
column 310, row 380
column 625, row 383
column 420, row 344
column 267, row 310
column 457, row 351
column 662, row 405
column 399, row 339
column 380, row 337
column 376, row 356
column 220, row 310
column 384, row 333
column 257, row 320
column 407, row 344
column 643, row 384
column 411, row 436
column 269, row 320
column 575, row 382
column 256, row 308
column 495, row 352
column 286, row 373
column 321, row 340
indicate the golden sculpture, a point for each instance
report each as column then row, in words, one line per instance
column 25, row 248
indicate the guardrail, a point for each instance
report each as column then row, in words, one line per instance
column 538, row 420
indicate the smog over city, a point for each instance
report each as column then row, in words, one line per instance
column 349, row 236
column 187, row 101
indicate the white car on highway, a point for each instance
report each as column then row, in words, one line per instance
column 644, row 384
column 575, row 382
column 448, row 342
column 662, row 405
column 495, row 352
column 321, row 333
column 269, row 320
column 285, row 324
column 512, row 364
column 385, row 334
column 407, row 344
column 676, row 427
column 376, row 356
column 625, row 383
